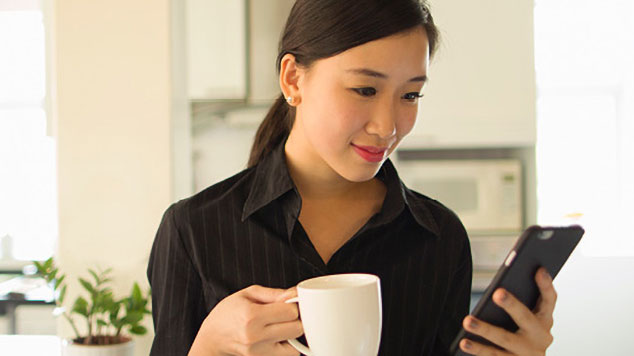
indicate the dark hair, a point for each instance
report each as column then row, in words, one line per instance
column 318, row 29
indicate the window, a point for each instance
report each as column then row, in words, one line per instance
column 28, row 203
column 585, row 120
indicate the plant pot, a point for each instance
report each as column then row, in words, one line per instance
column 70, row 348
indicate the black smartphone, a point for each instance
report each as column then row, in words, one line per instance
column 538, row 246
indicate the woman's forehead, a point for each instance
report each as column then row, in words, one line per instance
column 401, row 55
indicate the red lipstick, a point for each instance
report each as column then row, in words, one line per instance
column 370, row 153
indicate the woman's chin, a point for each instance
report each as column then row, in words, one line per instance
column 360, row 172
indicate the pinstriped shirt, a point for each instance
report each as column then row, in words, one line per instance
column 245, row 230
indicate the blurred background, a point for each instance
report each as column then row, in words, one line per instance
column 111, row 110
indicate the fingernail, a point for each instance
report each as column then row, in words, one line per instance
column 473, row 324
column 467, row 344
column 546, row 276
column 503, row 296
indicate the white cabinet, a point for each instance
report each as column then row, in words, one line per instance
column 216, row 49
column 224, row 61
column 481, row 90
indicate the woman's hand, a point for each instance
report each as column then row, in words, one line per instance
column 252, row 321
column 533, row 336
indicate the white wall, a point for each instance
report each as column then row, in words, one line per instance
column 113, row 131
column 595, row 307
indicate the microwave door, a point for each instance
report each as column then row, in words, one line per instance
column 459, row 194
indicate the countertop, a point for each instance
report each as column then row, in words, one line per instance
column 30, row 345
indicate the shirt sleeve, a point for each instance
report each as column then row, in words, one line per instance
column 177, row 299
column 458, row 299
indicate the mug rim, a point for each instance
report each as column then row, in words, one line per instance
column 363, row 280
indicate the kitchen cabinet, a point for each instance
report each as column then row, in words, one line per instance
column 481, row 89
column 232, row 47
column 216, row 49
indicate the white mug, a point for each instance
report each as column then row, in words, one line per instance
column 341, row 315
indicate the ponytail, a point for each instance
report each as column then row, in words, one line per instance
column 273, row 129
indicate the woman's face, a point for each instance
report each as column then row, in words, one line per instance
column 355, row 107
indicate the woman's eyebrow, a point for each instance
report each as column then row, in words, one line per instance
column 375, row 74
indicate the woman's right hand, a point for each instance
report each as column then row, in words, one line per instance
column 252, row 321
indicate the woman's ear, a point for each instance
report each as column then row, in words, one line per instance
column 290, row 78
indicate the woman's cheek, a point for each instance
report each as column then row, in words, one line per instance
column 405, row 124
column 348, row 119
column 403, row 128
column 354, row 122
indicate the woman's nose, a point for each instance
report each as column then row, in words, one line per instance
column 383, row 122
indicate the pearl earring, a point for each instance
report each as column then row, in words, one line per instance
column 289, row 99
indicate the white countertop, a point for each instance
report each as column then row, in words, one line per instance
column 30, row 345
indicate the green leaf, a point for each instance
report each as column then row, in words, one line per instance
column 101, row 322
column 62, row 294
column 81, row 306
column 48, row 264
column 133, row 317
column 94, row 275
column 97, row 302
column 138, row 330
column 108, row 299
column 137, row 296
column 40, row 268
column 117, row 324
column 87, row 285
column 114, row 311
column 59, row 281
column 106, row 280
column 105, row 301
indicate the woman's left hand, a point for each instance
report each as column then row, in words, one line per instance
column 533, row 336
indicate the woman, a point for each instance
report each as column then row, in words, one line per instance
column 320, row 196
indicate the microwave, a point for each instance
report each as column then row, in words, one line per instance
column 486, row 194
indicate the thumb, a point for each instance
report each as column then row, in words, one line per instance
column 263, row 295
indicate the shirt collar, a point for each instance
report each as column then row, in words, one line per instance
column 272, row 180
column 399, row 196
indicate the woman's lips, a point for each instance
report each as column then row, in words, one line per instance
column 370, row 153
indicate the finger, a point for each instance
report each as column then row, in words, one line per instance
column 521, row 315
column 543, row 315
column 283, row 331
column 548, row 298
column 278, row 312
column 262, row 295
column 474, row 348
column 537, row 330
column 267, row 348
column 286, row 349
column 499, row 336
column 288, row 294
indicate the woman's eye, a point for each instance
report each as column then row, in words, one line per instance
column 365, row 91
column 413, row 96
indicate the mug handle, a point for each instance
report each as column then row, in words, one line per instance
column 296, row 344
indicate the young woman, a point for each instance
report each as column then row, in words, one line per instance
column 320, row 196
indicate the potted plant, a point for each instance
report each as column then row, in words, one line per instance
column 107, row 318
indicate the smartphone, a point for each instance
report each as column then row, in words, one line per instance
column 538, row 246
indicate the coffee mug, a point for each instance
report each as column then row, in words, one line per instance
column 341, row 315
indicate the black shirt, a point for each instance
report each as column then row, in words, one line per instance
column 245, row 230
